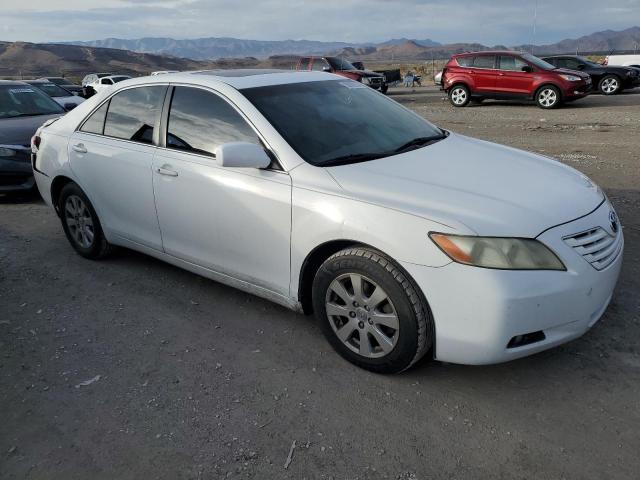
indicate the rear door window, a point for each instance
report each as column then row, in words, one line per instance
column 95, row 122
column 303, row 63
column 484, row 61
column 199, row 121
column 134, row 113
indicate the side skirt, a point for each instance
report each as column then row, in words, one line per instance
column 288, row 302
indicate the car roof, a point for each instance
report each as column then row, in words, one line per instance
column 238, row 79
column 12, row 82
column 490, row 52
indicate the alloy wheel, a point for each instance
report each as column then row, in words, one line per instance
column 610, row 85
column 458, row 96
column 79, row 221
column 362, row 315
column 547, row 97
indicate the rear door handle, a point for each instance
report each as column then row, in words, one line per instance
column 79, row 147
column 164, row 170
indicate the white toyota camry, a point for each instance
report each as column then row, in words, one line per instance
column 325, row 196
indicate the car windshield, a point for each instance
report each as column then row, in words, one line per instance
column 25, row 101
column 52, row 90
column 538, row 62
column 342, row 121
column 340, row 64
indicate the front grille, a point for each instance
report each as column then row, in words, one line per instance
column 596, row 246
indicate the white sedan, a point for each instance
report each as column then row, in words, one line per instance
column 325, row 196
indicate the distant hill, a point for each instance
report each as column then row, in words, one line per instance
column 33, row 59
column 599, row 42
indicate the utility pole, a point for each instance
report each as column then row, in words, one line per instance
column 535, row 22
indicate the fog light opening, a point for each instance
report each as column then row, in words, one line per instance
column 526, row 339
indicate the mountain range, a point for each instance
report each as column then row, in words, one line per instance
column 225, row 47
column 394, row 49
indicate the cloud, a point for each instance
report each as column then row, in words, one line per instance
column 490, row 22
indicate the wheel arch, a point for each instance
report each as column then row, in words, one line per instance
column 57, row 185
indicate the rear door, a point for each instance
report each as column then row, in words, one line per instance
column 484, row 73
column 111, row 155
column 511, row 79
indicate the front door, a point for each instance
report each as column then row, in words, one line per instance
column 235, row 221
column 112, row 154
column 511, row 78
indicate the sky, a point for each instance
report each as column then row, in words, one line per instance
column 491, row 22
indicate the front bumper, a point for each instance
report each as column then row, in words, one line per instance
column 574, row 92
column 478, row 311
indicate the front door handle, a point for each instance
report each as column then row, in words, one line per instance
column 79, row 147
column 166, row 170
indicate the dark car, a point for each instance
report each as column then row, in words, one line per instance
column 23, row 109
column 511, row 75
column 608, row 79
column 342, row 67
column 64, row 83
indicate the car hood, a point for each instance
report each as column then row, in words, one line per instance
column 369, row 73
column 462, row 182
column 19, row 130
column 575, row 73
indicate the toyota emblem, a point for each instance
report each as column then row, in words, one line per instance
column 613, row 218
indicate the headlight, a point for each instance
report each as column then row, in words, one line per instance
column 502, row 253
column 365, row 80
column 571, row 78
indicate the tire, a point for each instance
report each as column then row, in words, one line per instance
column 459, row 96
column 81, row 224
column 384, row 88
column 390, row 313
column 610, row 85
column 548, row 97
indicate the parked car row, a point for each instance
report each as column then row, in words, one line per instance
column 549, row 81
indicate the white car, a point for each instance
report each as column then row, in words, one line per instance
column 63, row 97
column 623, row 60
column 106, row 82
column 324, row 195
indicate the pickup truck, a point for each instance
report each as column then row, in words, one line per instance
column 342, row 67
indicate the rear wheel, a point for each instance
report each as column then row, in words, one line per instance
column 459, row 96
column 609, row 85
column 548, row 97
column 81, row 224
column 371, row 312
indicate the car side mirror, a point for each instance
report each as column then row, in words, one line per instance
column 527, row 68
column 69, row 106
column 242, row 155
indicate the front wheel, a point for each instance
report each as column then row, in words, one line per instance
column 81, row 224
column 384, row 88
column 459, row 96
column 371, row 312
column 548, row 97
column 609, row 85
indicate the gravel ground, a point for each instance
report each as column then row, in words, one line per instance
column 131, row 368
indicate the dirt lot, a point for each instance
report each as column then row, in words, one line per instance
column 130, row 368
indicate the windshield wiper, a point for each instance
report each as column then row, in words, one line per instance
column 353, row 158
column 419, row 143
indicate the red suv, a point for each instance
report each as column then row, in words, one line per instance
column 511, row 75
